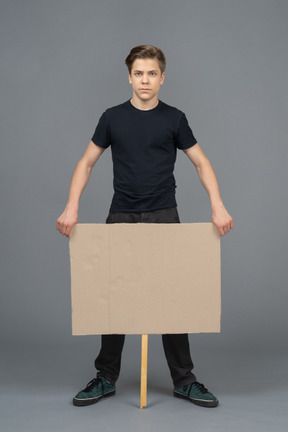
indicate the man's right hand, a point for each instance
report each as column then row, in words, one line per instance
column 66, row 221
column 79, row 181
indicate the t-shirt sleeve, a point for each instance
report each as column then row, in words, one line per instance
column 101, row 136
column 184, row 135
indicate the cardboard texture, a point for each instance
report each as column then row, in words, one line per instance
column 145, row 278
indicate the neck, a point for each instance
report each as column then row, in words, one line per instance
column 144, row 105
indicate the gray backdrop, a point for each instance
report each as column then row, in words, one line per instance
column 62, row 65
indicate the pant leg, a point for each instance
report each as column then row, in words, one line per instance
column 108, row 362
column 176, row 346
column 177, row 352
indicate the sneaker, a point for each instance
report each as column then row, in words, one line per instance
column 197, row 394
column 96, row 389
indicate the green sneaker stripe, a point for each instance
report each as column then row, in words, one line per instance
column 96, row 397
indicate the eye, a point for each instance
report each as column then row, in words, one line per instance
column 138, row 73
column 153, row 73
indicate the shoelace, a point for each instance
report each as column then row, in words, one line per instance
column 94, row 383
column 200, row 388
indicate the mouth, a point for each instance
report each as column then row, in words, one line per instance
column 143, row 89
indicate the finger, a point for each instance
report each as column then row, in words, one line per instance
column 63, row 229
column 59, row 227
column 68, row 230
column 58, row 224
column 227, row 228
column 221, row 231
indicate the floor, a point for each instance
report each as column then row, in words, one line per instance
column 38, row 383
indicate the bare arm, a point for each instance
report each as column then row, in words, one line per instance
column 220, row 217
column 80, row 178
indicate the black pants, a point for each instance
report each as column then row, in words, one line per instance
column 176, row 346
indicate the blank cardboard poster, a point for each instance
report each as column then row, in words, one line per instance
column 145, row 278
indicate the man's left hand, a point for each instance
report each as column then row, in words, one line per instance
column 222, row 220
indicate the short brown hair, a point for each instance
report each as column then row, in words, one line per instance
column 144, row 52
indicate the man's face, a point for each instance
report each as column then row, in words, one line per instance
column 146, row 79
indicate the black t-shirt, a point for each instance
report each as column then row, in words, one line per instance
column 144, row 146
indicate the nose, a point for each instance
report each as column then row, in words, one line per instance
column 145, row 78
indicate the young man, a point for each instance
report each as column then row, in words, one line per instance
column 144, row 134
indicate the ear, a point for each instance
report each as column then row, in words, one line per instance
column 162, row 78
column 130, row 80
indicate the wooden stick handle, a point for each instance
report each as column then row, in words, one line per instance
column 144, row 357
